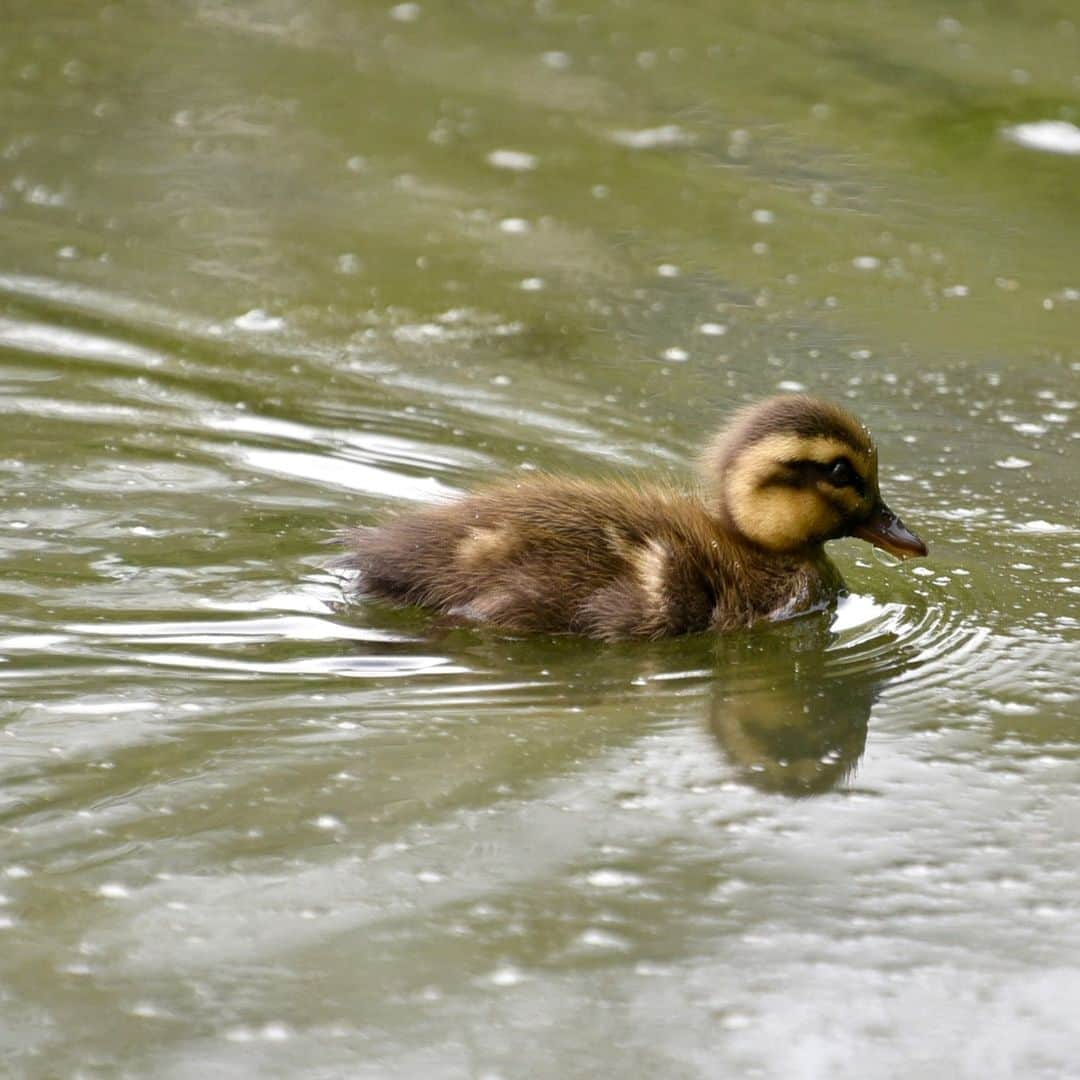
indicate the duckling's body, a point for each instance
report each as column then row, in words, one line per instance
column 609, row 560
column 601, row 559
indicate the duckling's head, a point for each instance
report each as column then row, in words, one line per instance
column 792, row 472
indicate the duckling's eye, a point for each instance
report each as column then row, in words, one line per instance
column 841, row 474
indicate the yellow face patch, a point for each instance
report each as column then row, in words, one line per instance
column 781, row 516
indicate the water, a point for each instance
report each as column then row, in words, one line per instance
column 271, row 269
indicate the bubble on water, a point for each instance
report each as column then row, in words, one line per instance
column 514, row 225
column 419, row 333
column 1011, row 708
column 602, row 941
column 1044, row 527
column 612, row 879
column 507, row 976
column 735, row 1021
column 514, row 160
column 147, row 1010
column 667, row 136
column 408, row 12
column 258, row 321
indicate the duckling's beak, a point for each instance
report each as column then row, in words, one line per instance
column 885, row 530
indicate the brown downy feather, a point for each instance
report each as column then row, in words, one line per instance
column 569, row 556
column 609, row 560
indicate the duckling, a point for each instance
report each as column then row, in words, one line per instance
column 610, row 560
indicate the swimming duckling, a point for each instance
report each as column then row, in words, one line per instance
column 610, row 560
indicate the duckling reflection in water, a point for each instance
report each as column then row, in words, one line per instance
column 609, row 560
column 788, row 720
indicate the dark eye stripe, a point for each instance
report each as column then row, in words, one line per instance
column 839, row 473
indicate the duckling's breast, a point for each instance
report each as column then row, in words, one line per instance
column 769, row 588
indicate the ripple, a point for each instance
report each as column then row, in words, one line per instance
column 233, row 631
column 885, row 639
column 351, row 475
column 51, row 340
column 938, row 653
column 362, row 667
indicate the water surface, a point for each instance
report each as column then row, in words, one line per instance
column 269, row 269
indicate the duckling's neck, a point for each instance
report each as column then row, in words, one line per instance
column 750, row 551
column 757, row 557
column 777, row 585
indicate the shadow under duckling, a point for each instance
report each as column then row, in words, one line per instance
column 610, row 560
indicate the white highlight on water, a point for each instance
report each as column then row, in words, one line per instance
column 1052, row 136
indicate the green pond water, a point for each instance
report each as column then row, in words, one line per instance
column 270, row 268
